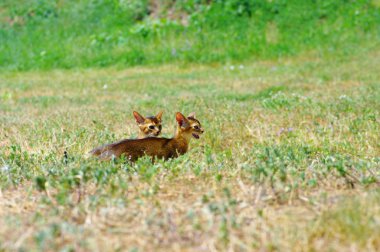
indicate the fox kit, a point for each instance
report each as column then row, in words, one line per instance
column 150, row 126
column 154, row 147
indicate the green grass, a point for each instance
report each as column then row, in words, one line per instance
column 288, row 93
column 354, row 221
column 45, row 34
column 289, row 158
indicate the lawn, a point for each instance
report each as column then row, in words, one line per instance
column 290, row 158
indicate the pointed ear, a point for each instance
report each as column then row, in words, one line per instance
column 159, row 115
column 139, row 118
column 181, row 119
column 192, row 115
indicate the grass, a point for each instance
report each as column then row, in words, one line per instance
column 289, row 160
column 353, row 220
column 46, row 34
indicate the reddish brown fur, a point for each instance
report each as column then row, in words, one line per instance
column 150, row 126
column 154, row 147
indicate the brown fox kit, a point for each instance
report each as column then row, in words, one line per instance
column 150, row 126
column 154, row 147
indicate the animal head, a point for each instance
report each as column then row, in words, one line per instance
column 189, row 126
column 150, row 126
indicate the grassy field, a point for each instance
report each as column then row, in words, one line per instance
column 289, row 159
column 288, row 93
column 67, row 34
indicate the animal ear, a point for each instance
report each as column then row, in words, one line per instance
column 139, row 118
column 192, row 115
column 181, row 119
column 159, row 115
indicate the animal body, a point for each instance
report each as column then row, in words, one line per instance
column 161, row 148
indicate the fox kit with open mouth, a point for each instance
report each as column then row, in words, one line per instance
column 154, row 147
column 150, row 126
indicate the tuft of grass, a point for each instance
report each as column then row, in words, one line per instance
column 353, row 223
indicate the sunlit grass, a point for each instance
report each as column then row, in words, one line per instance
column 286, row 143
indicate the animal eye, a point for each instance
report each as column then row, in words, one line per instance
column 196, row 127
column 151, row 126
column 160, row 127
